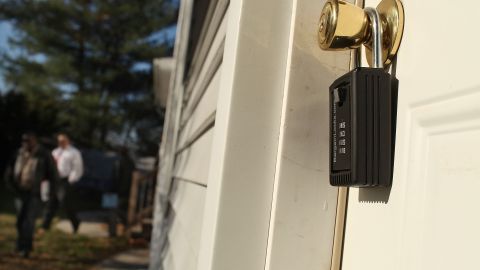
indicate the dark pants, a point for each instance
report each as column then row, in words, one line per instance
column 28, row 208
column 65, row 198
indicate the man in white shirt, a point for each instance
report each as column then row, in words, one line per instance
column 69, row 160
column 70, row 170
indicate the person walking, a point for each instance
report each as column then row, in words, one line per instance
column 32, row 165
column 70, row 169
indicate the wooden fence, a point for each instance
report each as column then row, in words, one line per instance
column 140, row 206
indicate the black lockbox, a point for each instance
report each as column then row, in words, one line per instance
column 363, row 108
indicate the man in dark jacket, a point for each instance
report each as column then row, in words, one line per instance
column 24, row 175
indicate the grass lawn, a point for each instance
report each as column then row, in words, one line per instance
column 55, row 249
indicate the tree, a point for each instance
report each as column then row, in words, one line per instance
column 85, row 61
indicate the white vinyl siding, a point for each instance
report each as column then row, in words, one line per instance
column 187, row 201
column 193, row 149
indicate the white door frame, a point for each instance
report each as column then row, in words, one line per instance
column 245, row 144
column 304, row 209
column 269, row 204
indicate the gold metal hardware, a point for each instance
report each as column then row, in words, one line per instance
column 346, row 26
column 342, row 26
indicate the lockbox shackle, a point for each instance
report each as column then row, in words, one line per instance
column 377, row 50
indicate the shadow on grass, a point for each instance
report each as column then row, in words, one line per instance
column 56, row 249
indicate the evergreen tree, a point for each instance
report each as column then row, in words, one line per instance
column 86, row 61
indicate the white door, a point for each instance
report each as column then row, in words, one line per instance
column 430, row 218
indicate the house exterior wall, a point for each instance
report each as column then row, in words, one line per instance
column 187, row 141
column 243, row 181
column 245, row 154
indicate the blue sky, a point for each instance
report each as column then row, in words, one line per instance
column 5, row 32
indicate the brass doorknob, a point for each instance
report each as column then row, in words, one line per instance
column 342, row 26
column 345, row 26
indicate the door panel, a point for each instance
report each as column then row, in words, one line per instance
column 429, row 219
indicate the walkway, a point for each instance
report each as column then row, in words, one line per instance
column 134, row 259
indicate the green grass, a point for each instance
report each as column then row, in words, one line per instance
column 56, row 249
